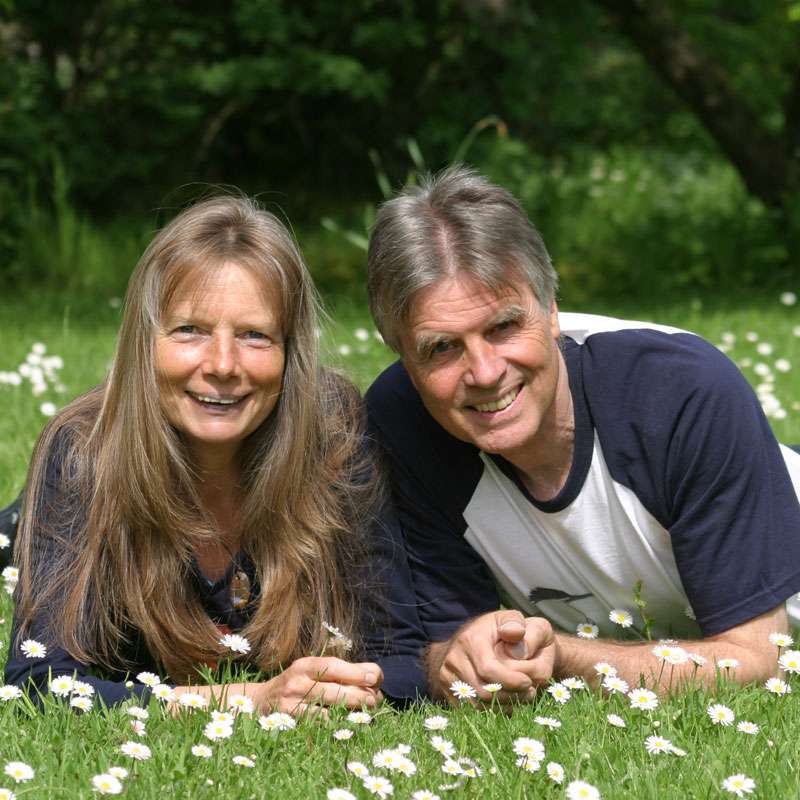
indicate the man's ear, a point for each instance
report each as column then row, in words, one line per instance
column 555, row 328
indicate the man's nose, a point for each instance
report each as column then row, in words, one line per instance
column 485, row 365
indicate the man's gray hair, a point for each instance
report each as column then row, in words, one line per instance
column 454, row 222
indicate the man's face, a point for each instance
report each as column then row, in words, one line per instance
column 485, row 364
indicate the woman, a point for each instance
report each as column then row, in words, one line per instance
column 216, row 482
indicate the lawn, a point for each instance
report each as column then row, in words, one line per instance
column 67, row 748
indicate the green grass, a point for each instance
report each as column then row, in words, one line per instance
column 66, row 749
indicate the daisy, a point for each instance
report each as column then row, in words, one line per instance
column 340, row 794
column 696, row 658
column 7, row 794
column 241, row 704
column 163, row 692
column 106, row 784
column 492, row 688
column 720, row 715
column 118, row 772
column 217, row 730
column 790, row 661
column 621, row 617
column 574, row 683
column 277, row 721
column 338, row 638
column 243, row 761
column 587, row 630
column 740, row 785
column 777, row 686
column 643, row 699
column 671, row 653
column 33, row 649
column 532, row 749
column 359, row 718
column 451, row 767
column 378, row 785
column 528, row 764
column 580, row 790
column 424, row 794
column 343, row 734
column 61, row 685
column 443, row 746
column 788, row 298
column 193, row 700
column 728, row 663
column 235, row 643
column 614, row 684
column 603, row 668
column 386, row 759
column 202, row 751
column 657, row 744
column 137, row 751
column 10, row 692
column 747, row 727
column 781, row 639
column 615, row 720
column 469, row 768
column 406, row 766
column 432, row 723
column 138, row 727
column 555, row 772
column 138, row 712
column 82, row 689
column 547, row 722
column 462, row 691
column 225, row 717
column 148, row 678
column 358, row 769
column 81, row 703
column 19, row 771
column 559, row 692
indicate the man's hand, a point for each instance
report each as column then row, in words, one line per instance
column 500, row 647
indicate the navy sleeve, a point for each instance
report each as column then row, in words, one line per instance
column 19, row 669
column 682, row 428
column 432, row 478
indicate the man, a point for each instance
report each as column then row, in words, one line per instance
column 559, row 464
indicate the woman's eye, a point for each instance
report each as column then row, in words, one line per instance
column 185, row 329
column 256, row 335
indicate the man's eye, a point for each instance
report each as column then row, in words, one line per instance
column 505, row 325
column 438, row 348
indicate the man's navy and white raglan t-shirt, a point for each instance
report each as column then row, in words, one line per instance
column 677, row 482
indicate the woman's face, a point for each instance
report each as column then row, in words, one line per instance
column 220, row 359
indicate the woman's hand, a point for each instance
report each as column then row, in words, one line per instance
column 312, row 682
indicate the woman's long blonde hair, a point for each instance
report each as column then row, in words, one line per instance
column 112, row 489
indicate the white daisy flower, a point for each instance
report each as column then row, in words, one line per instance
column 764, row 348
column 361, row 334
column 193, row 700
column 777, row 686
column 435, row 723
column 720, row 715
column 748, row 727
column 443, row 746
column 277, row 721
column 424, row 794
column 359, row 718
column 11, row 574
column 217, row 730
column 10, row 692
column 148, row 679
column 378, row 785
column 82, row 689
column 671, row 653
column 728, row 663
column 136, row 750
column 574, row 683
column 796, row 331
column 657, row 744
column 751, row 336
column 492, row 688
column 696, row 658
column 138, row 727
column 340, row 794
column 555, row 772
column 406, row 766
column 614, row 684
column 529, row 748
column 344, row 349
column 528, row 764
column 548, row 722
column 559, row 692
column 783, row 365
column 740, row 785
column 580, row 790
column 202, row 751
column 343, row 734
column 240, row 704
column 138, row 712
column 81, row 703
column 643, row 699
column 621, row 617
column 106, row 783
column 235, row 643
column 338, row 638
column 462, row 690
column 788, row 298
column 615, row 720
column 451, row 767
column 469, row 768
column 163, row 692
column 225, row 717
column 19, row 771
column 118, row 772
column 358, row 769
column 32, row 649
column 781, row 639
column 790, row 661
column 604, row 668
column 243, row 761
column 387, row 759
column 587, row 630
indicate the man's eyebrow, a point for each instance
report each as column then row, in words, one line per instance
column 424, row 343
column 513, row 313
